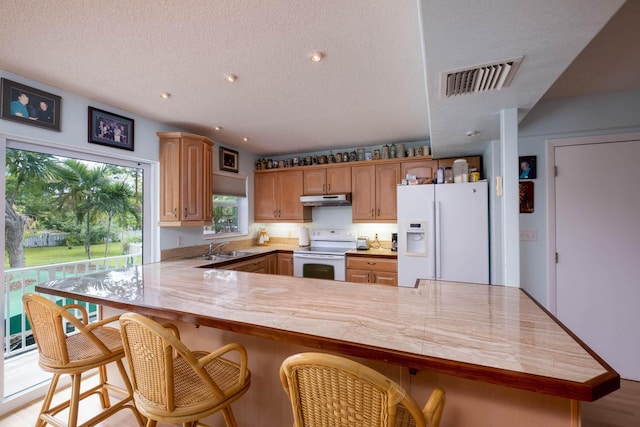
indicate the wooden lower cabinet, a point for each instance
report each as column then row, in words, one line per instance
column 285, row 264
column 271, row 261
column 382, row 271
column 254, row 265
column 275, row 263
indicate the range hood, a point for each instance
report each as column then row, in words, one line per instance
column 327, row 200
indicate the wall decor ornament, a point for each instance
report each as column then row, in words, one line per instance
column 110, row 129
column 527, row 167
column 526, row 196
column 229, row 160
column 30, row 106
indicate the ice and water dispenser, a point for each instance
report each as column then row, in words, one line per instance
column 416, row 239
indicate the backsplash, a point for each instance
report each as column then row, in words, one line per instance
column 338, row 217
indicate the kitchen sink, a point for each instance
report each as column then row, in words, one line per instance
column 237, row 253
column 224, row 256
column 214, row 258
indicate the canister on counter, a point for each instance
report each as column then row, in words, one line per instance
column 474, row 175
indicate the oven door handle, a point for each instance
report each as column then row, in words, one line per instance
column 318, row 256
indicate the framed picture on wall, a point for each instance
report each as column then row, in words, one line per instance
column 30, row 106
column 228, row 160
column 526, row 196
column 527, row 167
column 110, row 129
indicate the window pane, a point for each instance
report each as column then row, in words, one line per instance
column 225, row 214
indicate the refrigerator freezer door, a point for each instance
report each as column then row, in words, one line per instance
column 463, row 234
column 415, row 206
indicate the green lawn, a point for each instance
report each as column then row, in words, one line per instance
column 58, row 254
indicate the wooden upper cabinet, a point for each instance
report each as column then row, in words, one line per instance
column 265, row 187
column 207, row 213
column 277, row 197
column 363, row 199
column 374, row 192
column 387, row 180
column 185, row 179
column 291, row 208
column 420, row 168
column 334, row 180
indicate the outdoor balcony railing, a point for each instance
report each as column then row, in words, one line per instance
column 18, row 281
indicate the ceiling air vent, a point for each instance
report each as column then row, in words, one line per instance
column 480, row 78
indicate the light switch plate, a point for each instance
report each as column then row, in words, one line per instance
column 529, row 235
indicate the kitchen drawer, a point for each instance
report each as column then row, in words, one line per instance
column 257, row 265
column 372, row 264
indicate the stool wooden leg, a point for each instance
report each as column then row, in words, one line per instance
column 47, row 400
column 129, row 387
column 75, row 400
column 104, row 393
column 229, row 419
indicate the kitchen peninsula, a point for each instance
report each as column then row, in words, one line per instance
column 503, row 360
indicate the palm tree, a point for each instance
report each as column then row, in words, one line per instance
column 81, row 189
column 118, row 200
column 24, row 169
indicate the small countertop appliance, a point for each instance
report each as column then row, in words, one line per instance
column 362, row 243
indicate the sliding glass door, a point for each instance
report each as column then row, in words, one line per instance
column 66, row 213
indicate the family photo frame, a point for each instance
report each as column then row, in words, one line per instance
column 527, row 167
column 228, row 160
column 30, row 106
column 110, row 129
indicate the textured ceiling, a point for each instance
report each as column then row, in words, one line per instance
column 378, row 83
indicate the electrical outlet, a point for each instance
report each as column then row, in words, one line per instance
column 528, row 235
column 180, row 241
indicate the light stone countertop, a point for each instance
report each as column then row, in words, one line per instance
column 488, row 333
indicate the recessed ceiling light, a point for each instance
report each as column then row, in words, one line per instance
column 165, row 95
column 316, row 56
column 245, row 139
column 472, row 133
column 231, row 78
column 217, row 128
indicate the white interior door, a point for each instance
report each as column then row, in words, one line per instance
column 598, row 244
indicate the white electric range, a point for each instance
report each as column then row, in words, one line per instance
column 325, row 258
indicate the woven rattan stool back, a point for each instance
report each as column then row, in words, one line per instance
column 331, row 390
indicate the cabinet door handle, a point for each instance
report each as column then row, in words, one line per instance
column 373, row 213
column 275, row 214
column 328, row 187
column 185, row 213
column 378, row 211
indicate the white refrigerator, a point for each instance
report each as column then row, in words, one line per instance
column 443, row 233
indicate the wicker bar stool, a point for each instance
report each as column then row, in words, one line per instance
column 330, row 390
column 93, row 346
column 174, row 384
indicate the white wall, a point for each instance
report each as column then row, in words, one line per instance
column 73, row 134
column 610, row 113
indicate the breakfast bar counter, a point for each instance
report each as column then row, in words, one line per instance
column 492, row 348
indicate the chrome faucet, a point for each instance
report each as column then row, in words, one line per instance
column 213, row 247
